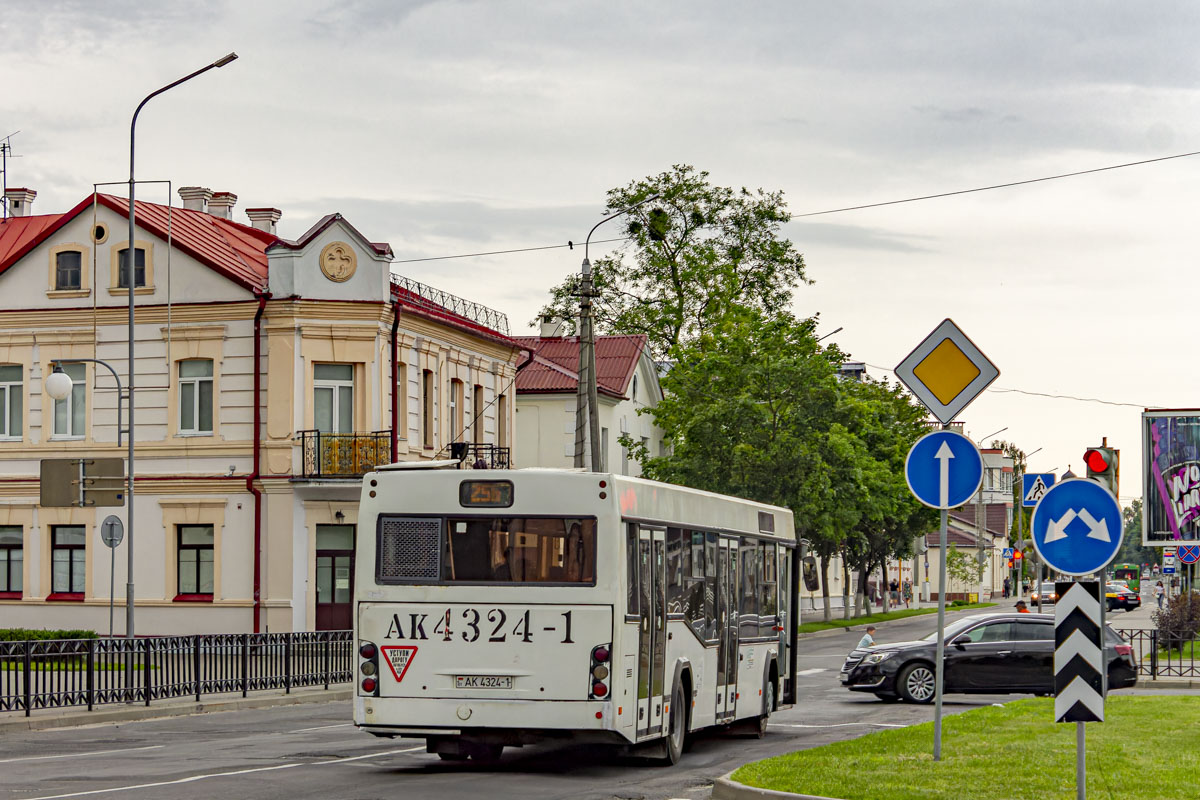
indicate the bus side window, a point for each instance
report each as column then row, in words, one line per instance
column 710, row 584
column 750, row 580
column 676, row 552
column 632, row 608
column 768, row 600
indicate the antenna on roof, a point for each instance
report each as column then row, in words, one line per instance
column 5, row 152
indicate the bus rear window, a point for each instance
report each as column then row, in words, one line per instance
column 494, row 550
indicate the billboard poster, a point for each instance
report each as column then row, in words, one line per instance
column 1171, row 476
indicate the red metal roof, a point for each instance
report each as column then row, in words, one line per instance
column 234, row 250
column 17, row 232
column 555, row 365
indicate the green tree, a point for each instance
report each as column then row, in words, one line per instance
column 1131, row 551
column 696, row 253
column 962, row 567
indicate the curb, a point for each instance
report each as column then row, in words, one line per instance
column 74, row 719
column 726, row 788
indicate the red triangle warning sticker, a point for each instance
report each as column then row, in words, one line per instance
column 398, row 658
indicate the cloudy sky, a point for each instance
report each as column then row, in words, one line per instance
column 450, row 128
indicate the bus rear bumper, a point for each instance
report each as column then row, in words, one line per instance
column 515, row 721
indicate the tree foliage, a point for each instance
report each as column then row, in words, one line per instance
column 963, row 567
column 693, row 255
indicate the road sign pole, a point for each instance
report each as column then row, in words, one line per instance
column 1080, row 761
column 112, row 577
column 941, row 643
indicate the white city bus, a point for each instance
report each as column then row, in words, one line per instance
column 500, row 608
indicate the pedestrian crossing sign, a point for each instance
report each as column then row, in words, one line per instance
column 1033, row 486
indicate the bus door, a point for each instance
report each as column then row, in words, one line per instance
column 727, row 628
column 652, row 638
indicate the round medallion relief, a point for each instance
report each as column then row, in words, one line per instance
column 338, row 261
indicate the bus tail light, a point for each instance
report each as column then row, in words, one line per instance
column 599, row 671
column 368, row 665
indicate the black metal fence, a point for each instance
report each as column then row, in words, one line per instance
column 1158, row 660
column 92, row 672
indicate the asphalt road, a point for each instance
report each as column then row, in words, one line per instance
column 313, row 751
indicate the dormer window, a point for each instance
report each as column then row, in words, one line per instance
column 139, row 268
column 68, row 270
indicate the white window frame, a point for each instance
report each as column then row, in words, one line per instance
column 192, row 427
column 78, row 390
column 7, row 397
column 334, row 387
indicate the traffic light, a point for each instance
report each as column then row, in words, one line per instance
column 1103, row 465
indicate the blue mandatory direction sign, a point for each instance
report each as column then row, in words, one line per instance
column 1077, row 527
column 944, row 469
column 1033, row 486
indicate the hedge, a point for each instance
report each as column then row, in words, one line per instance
column 23, row 634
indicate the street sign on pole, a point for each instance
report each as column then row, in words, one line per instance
column 1079, row 665
column 112, row 531
column 82, row 482
column 1189, row 553
column 1033, row 486
column 946, row 371
column 1008, row 553
column 1077, row 527
column 943, row 469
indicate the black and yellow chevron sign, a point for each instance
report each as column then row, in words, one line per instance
column 1078, row 653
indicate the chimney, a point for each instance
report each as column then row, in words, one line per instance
column 195, row 198
column 264, row 218
column 19, row 201
column 221, row 205
column 552, row 327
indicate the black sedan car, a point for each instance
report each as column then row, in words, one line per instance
column 984, row 654
column 1122, row 597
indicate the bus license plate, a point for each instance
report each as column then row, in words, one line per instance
column 483, row 682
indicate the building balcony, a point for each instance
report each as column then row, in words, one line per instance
column 343, row 455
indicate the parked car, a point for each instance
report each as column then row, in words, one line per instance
column 984, row 654
column 1122, row 597
column 1046, row 592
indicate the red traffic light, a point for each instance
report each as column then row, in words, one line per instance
column 1018, row 555
column 1096, row 460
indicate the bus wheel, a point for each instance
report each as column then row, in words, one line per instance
column 760, row 729
column 676, row 728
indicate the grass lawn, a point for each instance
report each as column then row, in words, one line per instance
column 1010, row 752
column 837, row 622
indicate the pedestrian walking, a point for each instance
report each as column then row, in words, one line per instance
column 868, row 640
column 894, row 592
column 1159, row 593
column 1007, row 586
column 907, row 593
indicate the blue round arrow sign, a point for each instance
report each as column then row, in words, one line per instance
column 943, row 469
column 1077, row 527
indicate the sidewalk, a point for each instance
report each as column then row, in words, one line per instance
column 48, row 718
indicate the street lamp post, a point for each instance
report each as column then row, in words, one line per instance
column 587, row 411
column 129, row 268
column 1020, row 543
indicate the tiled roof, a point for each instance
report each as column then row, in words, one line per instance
column 556, row 363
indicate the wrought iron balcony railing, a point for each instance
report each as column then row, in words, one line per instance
column 481, row 456
column 343, row 455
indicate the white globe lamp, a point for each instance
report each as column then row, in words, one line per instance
column 58, row 384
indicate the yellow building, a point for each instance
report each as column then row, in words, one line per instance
column 270, row 374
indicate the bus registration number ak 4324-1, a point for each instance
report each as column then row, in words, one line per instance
column 483, row 682
column 482, row 625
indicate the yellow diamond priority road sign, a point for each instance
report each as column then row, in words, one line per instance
column 946, row 371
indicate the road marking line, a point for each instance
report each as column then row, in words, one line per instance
column 81, row 755
column 194, row 778
column 324, row 727
column 813, row 671
column 838, row 725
